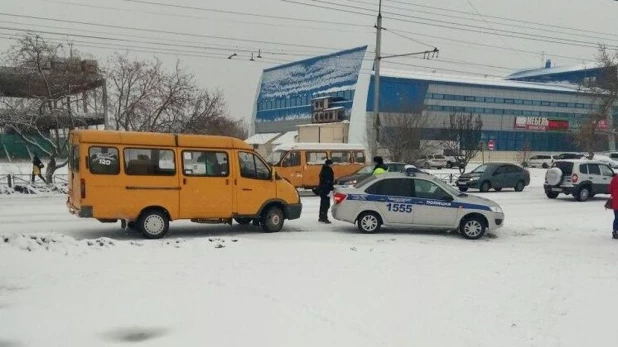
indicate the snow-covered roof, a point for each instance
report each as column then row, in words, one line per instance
column 289, row 137
column 261, row 139
column 552, row 70
column 479, row 81
column 314, row 75
column 318, row 146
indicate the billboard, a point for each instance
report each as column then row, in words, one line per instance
column 541, row 124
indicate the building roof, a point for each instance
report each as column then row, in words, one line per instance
column 479, row 81
column 314, row 75
column 552, row 71
column 261, row 139
column 288, row 137
column 319, row 146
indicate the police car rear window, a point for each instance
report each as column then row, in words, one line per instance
column 365, row 181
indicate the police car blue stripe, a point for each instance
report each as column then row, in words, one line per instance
column 415, row 201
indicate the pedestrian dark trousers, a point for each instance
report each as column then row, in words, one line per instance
column 324, row 206
column 615, row 220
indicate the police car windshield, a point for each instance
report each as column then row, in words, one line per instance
column 365, row 170
column 480, row 169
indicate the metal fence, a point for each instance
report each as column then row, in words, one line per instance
column 12, row 180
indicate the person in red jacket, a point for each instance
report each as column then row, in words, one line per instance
column 613, row 190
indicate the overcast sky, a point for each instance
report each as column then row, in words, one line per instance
column 202, row 34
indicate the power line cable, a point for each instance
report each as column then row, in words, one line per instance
column 503, row 18
column 446, row 24
column 158, row 31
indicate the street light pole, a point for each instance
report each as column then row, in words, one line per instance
column 376, row 83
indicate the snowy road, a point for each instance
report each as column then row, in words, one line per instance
column 548, row 278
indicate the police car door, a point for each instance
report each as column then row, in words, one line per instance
column 392, row 198
column 434, row 206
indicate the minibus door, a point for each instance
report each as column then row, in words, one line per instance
column 206, row 184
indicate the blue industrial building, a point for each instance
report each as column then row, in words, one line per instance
column 539, row 107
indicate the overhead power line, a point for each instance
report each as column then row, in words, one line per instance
column 407, row 3
column 476, row 16
column 122, row 27
column 169, row 14
column 447, row 24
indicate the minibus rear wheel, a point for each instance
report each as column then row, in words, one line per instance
column 272, row 219
column 153, row 223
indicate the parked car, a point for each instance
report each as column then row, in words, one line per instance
column 453, row 161
column 366, row 171
column 581, row 178
column 604, row 157
column 540, row 161
column 416, row 200
column 496, row 176
column 437, row 161
column 562, row 156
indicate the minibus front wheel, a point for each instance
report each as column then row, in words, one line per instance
column 272, row 219
column 153, row 223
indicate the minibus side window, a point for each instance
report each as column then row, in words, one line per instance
column 341, row 157
column 292, row 159
column 316, row 158
column 104, row 160
column 205, row 163
column 149, row 162
column 251, row 166
column 359, row 157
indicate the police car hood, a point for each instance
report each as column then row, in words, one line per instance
column 475, row 199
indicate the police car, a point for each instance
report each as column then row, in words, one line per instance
column 416, row 200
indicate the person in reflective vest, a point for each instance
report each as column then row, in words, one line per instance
column 380, row 168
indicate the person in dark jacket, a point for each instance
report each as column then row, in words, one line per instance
column 380, row 167
column 326, row 185
column 37, row 165
column 613, row 190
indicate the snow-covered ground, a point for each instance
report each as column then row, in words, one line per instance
column 547, row 278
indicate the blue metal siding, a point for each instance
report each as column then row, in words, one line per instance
column 399, row 95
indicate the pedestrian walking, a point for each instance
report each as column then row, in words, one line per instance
column 37, row 165
column 613, row 204
column 326, row 185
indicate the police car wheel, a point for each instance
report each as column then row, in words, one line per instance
column 369, row 222
column 272, row 220
column 449, row 165
column 472, row 228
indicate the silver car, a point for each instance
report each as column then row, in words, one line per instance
column 417, row 200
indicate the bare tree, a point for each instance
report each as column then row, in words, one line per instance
column 524, row 153
column 46, row 90
column 146, row 97
column 603, row 92
column 462, row 135
column 401, row 135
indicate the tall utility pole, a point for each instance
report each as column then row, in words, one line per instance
column 376, row 84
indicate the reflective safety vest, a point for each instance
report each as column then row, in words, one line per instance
column 379, row 171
